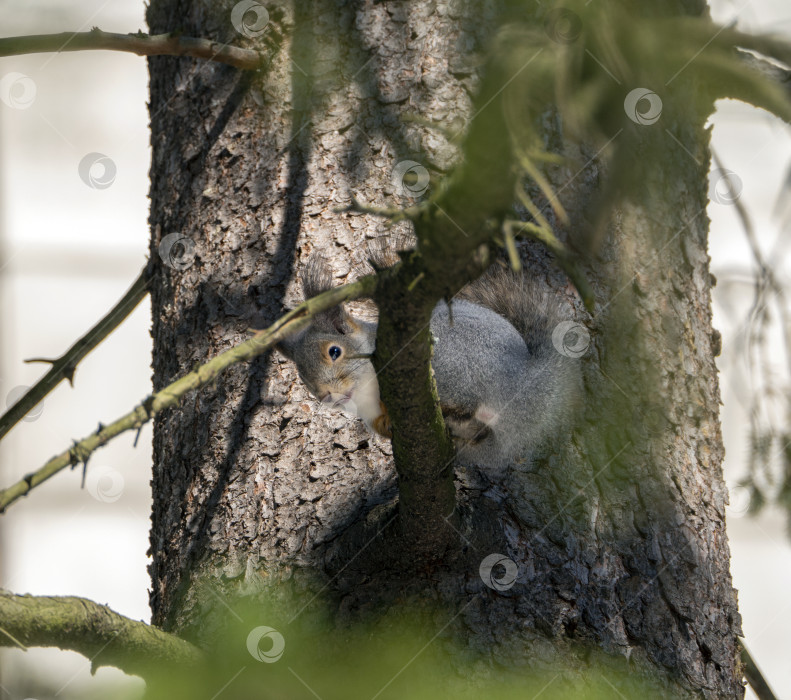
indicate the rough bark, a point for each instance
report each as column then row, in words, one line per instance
column 619, row 536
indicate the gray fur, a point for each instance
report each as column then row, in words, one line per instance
column 482, row 362
column 505, row 390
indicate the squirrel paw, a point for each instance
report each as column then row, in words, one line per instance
column 381, row 424
column 466, row 427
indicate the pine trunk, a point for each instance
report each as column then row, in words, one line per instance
column 619, row 539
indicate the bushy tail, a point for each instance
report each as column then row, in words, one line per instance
column 542, row 392
column 521, row 300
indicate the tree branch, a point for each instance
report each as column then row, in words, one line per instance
column 565, row 260
column 754, row 676
column 770, row 71
column 450, row 228
column 64, row 366
column 394, row 214
column 171, row 44
column 93, row 630
column 173, row 393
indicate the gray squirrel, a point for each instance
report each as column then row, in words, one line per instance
column 505, row 361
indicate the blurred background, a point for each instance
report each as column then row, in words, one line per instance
column 70, row 247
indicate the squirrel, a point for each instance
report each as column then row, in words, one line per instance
column 505, row 362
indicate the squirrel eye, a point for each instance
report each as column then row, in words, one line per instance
column 334, row 352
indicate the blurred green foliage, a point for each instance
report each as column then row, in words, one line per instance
column 412, row 653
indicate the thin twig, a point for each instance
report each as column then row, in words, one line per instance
column 171, row 44
column 754, row 676
column 63, row 367
column 765, row 270
column 451, row 135
column 393, row 213
column 16, row 642
column 173, row 393
column 510, row 247
column 564, row 258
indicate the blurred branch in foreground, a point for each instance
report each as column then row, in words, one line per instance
column 93, row 630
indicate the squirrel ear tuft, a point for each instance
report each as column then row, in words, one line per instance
column 385, row 251
column 316, row 277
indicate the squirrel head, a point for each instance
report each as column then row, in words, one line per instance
column 333, row 353
column 332, row 356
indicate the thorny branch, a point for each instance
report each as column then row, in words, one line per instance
column 171, row 44
column 64, row 366
column 173, row 393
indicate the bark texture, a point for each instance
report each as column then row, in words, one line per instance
column 619, row 535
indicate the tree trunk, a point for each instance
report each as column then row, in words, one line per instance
column 619, row 538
